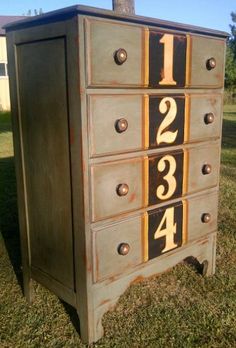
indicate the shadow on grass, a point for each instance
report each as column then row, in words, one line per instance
column 229, row 132
column 72, row 313
column 5, row 122
column 9, row 226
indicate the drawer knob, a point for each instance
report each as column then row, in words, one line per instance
column 123, row 249
column 211, row 63
column 206, row 169
column 209, row 118
column 120, row 56
column 206, row 217
column 121, row 125
column 122, row 189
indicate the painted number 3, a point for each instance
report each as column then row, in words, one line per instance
column 169, row 177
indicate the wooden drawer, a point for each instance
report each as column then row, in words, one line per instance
column 122, row 186
column 147, row 124
column 144, row 240
column 153, row 58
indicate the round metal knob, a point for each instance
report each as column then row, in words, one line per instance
column 211, row 63
column 206, row 169
column 121, row 125
column 206, row 217
column 123, row 249
column 209, row 118
column 122, row 189
column 120, row 56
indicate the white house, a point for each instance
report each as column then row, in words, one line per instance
column 4, row 83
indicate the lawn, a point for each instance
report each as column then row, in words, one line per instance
column 177, row 309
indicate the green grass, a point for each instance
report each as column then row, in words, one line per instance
column 177, row 309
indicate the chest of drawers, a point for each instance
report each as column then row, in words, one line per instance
column 117, row 130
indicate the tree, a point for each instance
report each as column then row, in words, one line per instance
column 33, row 13
column 230, row 65
column 230, row 69
column 232, row 39
column 123, row 6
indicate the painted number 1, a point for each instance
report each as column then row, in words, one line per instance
column 168, row 41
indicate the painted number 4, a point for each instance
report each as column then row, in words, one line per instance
column 167, row 229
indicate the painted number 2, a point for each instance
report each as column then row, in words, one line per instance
column 168, row 105
column 168, row 41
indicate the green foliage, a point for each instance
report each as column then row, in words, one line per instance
column 230, row 69
column 232, row 39
column 230, row 66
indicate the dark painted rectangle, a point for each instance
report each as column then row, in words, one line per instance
column 156, row 246
column 165, row 176
column 160, row 108
column 156, row 60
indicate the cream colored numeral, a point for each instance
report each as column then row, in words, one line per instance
column 168, row 41
column 169, row 177
column 167, row 228
column 167, row 104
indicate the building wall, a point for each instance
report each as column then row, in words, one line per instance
column 4, row 81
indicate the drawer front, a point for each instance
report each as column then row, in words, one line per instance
column 119, row 54
column 124, row 186
column 103, row 40
column 122, row 123
column 117, row 187
column 116, row 123
column 203, row 49
column 109, row 242
column 204, row 117
column 125, row 244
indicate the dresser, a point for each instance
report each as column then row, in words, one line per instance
column 117, row 135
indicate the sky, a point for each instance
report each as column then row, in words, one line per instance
column 205, row 13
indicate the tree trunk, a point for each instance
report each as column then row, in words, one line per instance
column 123, row 6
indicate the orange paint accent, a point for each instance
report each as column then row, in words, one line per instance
column 185, row 172
column 188, row 61
column 145, row 180
column 145, row 236
column 185, row 222
column 146, row 121
column 187, row 117
column 146, row 57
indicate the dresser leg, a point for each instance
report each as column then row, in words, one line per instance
column 91, row 329
column 209, row 263
column 28, row 288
